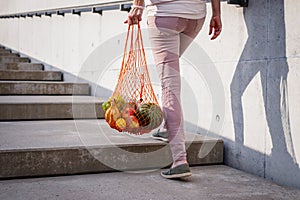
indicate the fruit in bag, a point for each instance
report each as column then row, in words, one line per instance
column 127, row 112
column 133, row 122
column 133, row 105
column 112, row 114
column 119, row 101
column 121, row 124
column 150, row 115
column 106, row 105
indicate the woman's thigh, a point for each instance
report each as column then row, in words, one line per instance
column 191, row 30
column 164, row 38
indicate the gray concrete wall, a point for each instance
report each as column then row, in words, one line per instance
column 267, row 53
column 243, row 87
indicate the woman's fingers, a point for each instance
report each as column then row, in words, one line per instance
column 134, row 16
column 211, row 26
column 215, row 27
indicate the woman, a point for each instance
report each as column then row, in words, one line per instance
column 173, row 24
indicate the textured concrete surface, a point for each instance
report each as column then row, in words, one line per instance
column 206, row 183
column 43, row 88
column 21, row 66
column 5, row 51
column 9, row 54
column 37, row 148
column 50, row 107
column 265, row 138
column 256, row 58
column 31, row 75
column 7, row 59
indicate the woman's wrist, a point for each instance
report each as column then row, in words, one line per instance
column 137, row 6
column 216, row 8
column 216, row 16
column 138, row 3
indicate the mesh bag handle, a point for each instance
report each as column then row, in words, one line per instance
column 133, row 106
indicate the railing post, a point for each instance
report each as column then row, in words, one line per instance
column 242, row 3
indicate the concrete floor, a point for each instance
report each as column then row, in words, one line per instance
column 207, row 182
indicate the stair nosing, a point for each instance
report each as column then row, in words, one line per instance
column 39, row 82
column 83, row 147
column 46, row 99
column 29, row 71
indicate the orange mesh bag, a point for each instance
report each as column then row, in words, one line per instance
column 133, row 106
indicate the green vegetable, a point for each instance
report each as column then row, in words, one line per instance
column 106, row 105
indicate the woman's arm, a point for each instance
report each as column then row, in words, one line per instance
column 136, row 12
column 215, row 26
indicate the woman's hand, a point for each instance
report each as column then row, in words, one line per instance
column 135, row 15
column 215, row 26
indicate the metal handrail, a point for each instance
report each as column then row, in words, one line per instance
column 77, row 10
column 122, row 5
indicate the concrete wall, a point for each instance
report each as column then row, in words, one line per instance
column 243, row 87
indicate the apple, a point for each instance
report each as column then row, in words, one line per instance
column 133, row 122
column 132, row 105
column 127, row 112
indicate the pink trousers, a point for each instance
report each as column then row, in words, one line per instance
column 170, row 37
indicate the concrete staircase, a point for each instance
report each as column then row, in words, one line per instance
column 52, row 127
column 30, row 93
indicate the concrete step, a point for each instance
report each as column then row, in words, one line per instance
column 50, row 107
column 5, row 50
column 212, row 182
column 21, row 66
column 31, row 75
column 42, row 148
column 43, row 88
column 9, row 59
column 9, row 54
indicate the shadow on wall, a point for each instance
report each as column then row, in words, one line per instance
column 264, row 53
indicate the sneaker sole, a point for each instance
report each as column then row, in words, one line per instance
column 182, row 175
column 160, row 138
